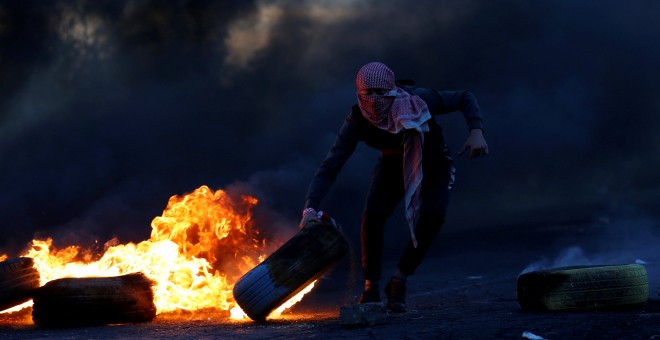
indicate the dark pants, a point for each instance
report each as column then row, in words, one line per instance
column 386, row 192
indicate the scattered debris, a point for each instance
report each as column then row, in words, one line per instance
column 531, row 336
column 370, row 314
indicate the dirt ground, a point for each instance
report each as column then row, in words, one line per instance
column 465, row 290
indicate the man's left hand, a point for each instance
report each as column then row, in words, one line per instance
column 475, row 144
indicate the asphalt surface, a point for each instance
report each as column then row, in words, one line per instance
column 466, row 289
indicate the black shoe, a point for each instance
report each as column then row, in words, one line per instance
column 396, row 295
column 370, row 295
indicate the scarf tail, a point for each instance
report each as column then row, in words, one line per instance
column 412, row 176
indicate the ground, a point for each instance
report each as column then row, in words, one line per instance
column 465, row 290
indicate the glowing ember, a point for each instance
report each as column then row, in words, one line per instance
column 198, row 248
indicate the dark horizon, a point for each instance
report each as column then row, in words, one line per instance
column 109, row 108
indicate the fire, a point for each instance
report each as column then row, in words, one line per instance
column 198, row 248
column 292, row 301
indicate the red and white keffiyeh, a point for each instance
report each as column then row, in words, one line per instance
column 395, row 111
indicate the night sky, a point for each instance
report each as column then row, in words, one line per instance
column 107, row 108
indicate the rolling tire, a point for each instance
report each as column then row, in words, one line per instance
column 94, row 301
column 583, row 288
column 18, row 281
column 305, row 257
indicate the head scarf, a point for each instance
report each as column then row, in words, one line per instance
column 395, row 111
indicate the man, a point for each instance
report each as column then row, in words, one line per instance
column 414, row 165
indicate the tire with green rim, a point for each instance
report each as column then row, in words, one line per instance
column 583, row 288
column 18, row 281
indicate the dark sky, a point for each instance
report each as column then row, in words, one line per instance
column 107, row 108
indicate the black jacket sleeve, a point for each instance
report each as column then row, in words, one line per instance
column 325, row 176
column 443, row 102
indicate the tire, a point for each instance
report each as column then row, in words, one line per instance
column 305, row 257
column 18, row 281
column 584, row 288
column 94, row 301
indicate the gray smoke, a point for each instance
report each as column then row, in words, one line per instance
column 624, row 235
column 107, row 108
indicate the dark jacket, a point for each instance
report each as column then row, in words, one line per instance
column 356, row 128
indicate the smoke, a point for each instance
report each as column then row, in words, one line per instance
column 109, row 108
column 624, row 236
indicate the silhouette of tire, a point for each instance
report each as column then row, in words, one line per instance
column 18, row 281
column 92, row 301
column 305, row 257
column 583, row 288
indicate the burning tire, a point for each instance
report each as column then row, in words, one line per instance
column 93, row 301
column 583, row 288
column 310, row 253
column 18, row 281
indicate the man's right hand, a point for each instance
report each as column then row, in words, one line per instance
column 311, row 214
column 307, row 215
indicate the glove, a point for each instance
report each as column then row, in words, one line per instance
column 310, row 214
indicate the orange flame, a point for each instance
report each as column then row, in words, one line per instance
column 198, row 248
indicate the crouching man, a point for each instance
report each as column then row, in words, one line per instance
column 414, row 165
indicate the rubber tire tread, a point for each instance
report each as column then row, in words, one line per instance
column 259, row 302
column 94, row 301
column 18, row 281
column 304, row 257
column 583, row 288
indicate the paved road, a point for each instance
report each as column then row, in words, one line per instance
column 466, row 290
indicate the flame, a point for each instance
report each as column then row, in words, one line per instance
column 238, row 314
column 198, row 248
column 292, row 301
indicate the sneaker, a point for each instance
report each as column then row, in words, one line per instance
column 370, row 295
column 396, row 295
